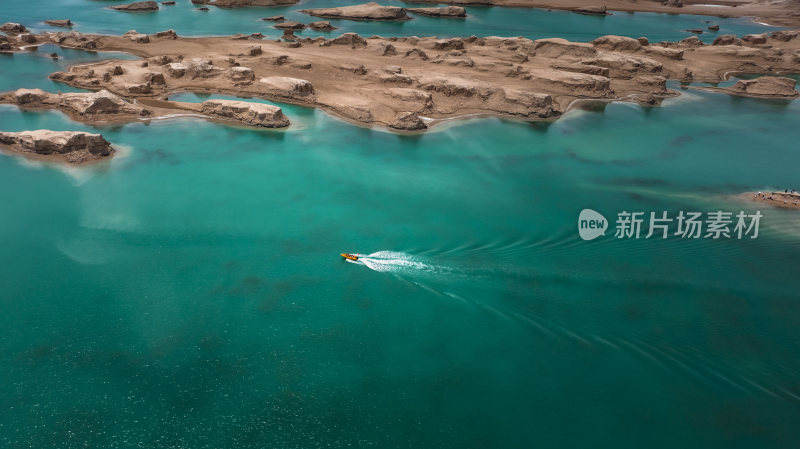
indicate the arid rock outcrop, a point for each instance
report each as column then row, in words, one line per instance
column 767, row 86
column 529, row 104
column 617, row 43
column 254, row 114
column 83, row 106
column 68, row 146
column 321, row 25
column 27, row 38
column 593, row 10
column 444, row 11
column 199, row 68
column 420, row 98
column 137, row 6
column 671, row 53
column 367, row 11
column 176, row 69
column 651, row 84
column 289, row 26
column 169, row 34
column 579, row 84
column 246, row 3
column 13, row 28
column 557, row 48
column 625, row 66
column 289, row 87
column 408, row 121
column 352, row 39
column 785, row 35
column 59, row 23
column 755, row 38
column 242, row 74
column 727, row 39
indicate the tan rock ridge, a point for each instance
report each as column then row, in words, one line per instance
column 136, row 6
column 105, row 106
column 366, row 11
column 84, row 106
column 68, row 146
column 13, row 28
column 443, row 11
column 595, row 10
column 254, row 114
column 767, row 86
column 247, row 3
column 59, row 23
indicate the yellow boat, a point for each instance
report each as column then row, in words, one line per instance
column 349, row 256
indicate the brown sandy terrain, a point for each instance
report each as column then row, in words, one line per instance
column 774, row 12
column 776, row 199
column 409, row 83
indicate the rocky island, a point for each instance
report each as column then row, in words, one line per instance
column 86, row 107
column 106, row 107
column 74, row 147
column 766, row 86
column 59, row 23
column 137, row 6
column 246, row 3
column 367, row 11
column 444, row 11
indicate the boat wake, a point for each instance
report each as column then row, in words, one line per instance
column 392, row 261
column 696, row 363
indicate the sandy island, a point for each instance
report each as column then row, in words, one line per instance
column 787, row 199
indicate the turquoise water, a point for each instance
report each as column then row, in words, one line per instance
column 29, row 69
column 189, row 293
column 95, row 17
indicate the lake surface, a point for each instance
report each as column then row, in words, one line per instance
column 189, row 292
column 94, row 16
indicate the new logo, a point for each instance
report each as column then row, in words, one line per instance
column 591, row 224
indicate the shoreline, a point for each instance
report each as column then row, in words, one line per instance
column 775, row 199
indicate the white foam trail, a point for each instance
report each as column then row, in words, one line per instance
column 392, row 261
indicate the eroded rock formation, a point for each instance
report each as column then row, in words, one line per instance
column 136, row 6
column 444, row 11
column 254, row 114
column 367, row 11
column 767, row 86
column 69, row 146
